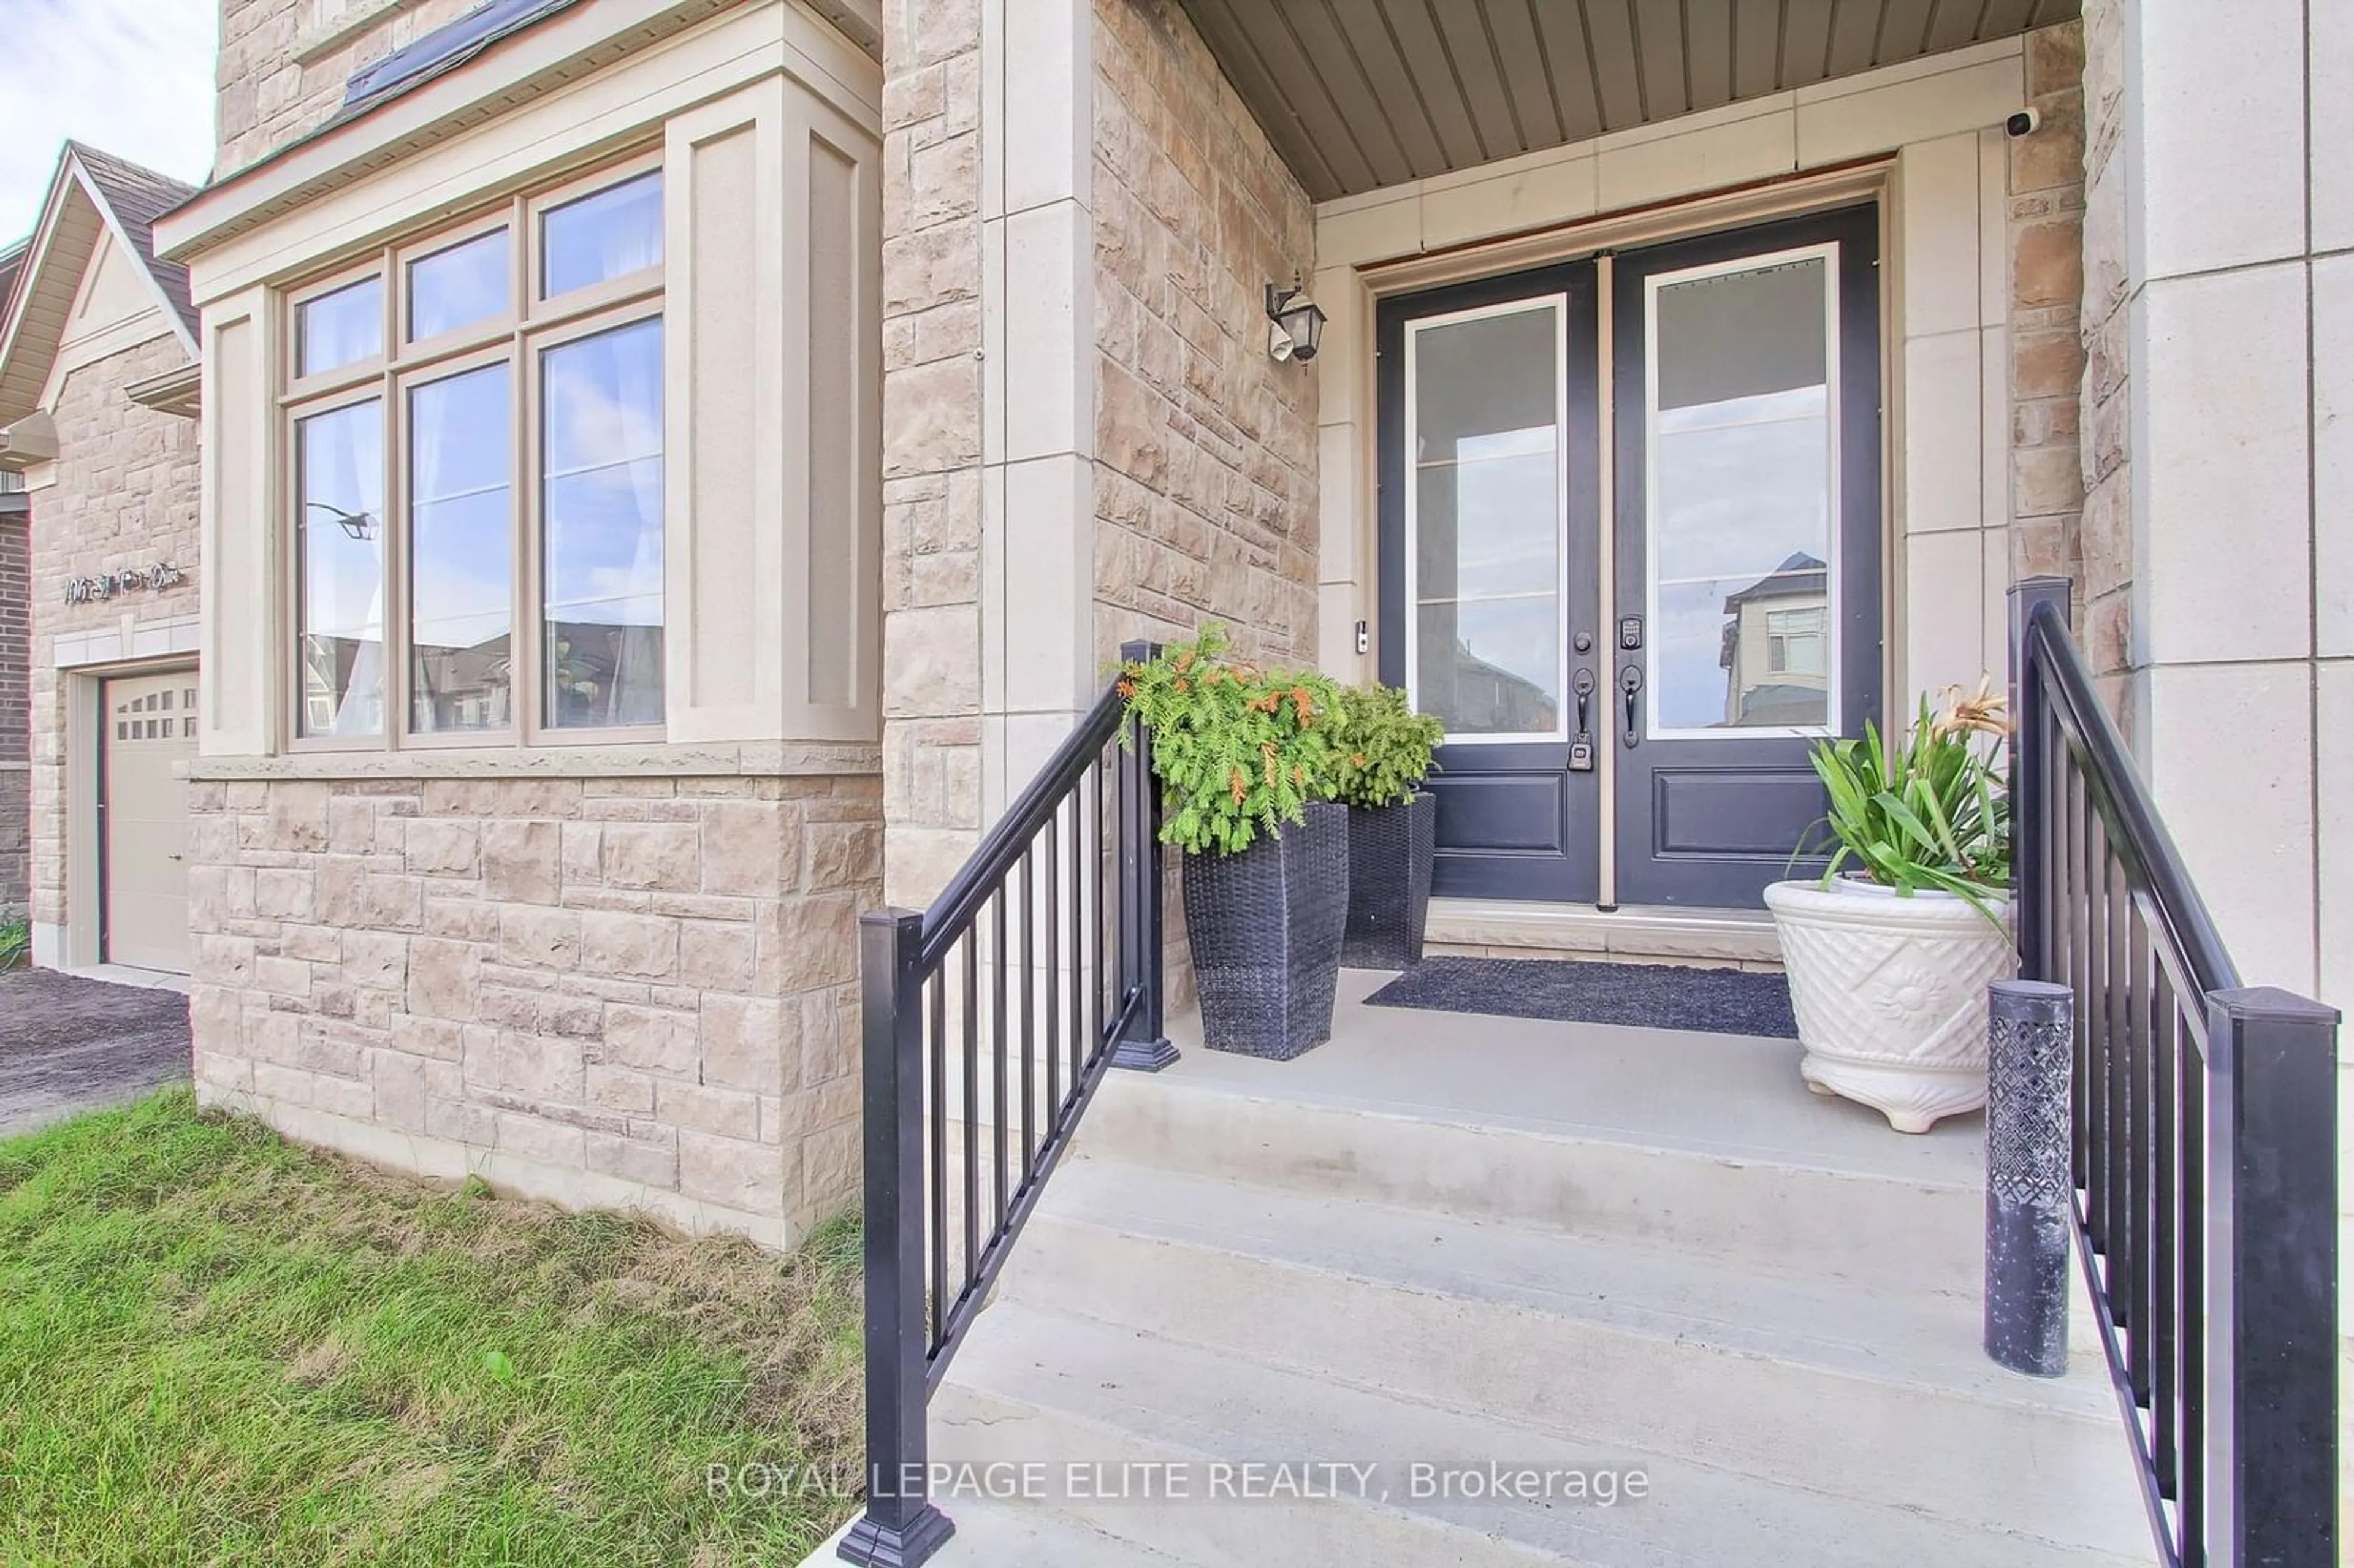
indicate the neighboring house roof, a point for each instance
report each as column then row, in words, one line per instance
column 12, row 261
column 93, row 195
column 1799, row 575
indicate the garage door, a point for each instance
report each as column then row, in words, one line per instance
column 150, row 726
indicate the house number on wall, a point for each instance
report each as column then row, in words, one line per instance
column 106, row 585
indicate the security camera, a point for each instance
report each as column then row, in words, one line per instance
column 2023, row 123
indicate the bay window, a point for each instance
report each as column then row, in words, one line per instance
column 476, row 427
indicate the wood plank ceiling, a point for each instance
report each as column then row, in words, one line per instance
column 1357, row 94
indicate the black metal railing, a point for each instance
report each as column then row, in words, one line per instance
column 989, row 1019
column 2205, row 1139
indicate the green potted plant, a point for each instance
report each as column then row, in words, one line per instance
column 1392, row 825
column 1890, row 951
column 1245, row 756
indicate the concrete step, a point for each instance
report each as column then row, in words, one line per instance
column 1043, row 1387
column 1762, row 1198
column 1874, row 1390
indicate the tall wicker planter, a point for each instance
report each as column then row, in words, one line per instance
column 1392, row 849
column 1266, row 927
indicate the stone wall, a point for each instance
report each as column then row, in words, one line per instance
column 931, row 439
column 2044, row 190
column 629, row 992
column 16, row 713
column 283, row 64
column 1205, row 473
column 125, row 495
column 2108, row 549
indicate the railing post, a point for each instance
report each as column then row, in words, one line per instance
column 2030, row 1222
column 2030, row 877
column 900, row 1528
column 2271, row 1290
column 1143, row 1044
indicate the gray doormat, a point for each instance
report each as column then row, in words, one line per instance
column 1646, row 996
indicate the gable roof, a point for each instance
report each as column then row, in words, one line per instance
column 93, row 195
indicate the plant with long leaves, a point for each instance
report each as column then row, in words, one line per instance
column 1239, row 750
column 1388, row 754
column 1929, row 812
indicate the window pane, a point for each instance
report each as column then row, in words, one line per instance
column 340, row 456
column 341, row 328
column 601, row 446
column 1488, row 522
column 610, row 234
column 461, row 553
column 1741, row 514
column 459, row 286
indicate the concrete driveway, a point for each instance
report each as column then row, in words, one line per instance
column 68, row 1045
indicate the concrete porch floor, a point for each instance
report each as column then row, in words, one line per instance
column 1733, row 1096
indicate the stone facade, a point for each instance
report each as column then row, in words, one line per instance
column 1205, row 475
column 931, row 439
column 283, row 64
column 16, row 712
column 638, row 991
column 124, row 494
column 2107, row 575
column 2044, row 190
column 1195, row 452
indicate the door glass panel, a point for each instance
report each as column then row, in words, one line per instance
column 1484, row 423
column 1744, row 487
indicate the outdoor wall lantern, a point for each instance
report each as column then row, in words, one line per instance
column 1297, row 324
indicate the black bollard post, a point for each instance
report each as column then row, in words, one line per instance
column 2030, row 1049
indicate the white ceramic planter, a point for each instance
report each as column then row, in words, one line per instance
column 1891, row 994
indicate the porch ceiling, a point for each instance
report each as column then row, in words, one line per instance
column 1357, row 94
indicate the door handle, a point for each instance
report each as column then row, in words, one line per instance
column 1630, row 683
column 1584, row 686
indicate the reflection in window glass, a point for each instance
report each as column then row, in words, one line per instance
column 1488, row 523
column 341, row 328
column 601, row 505
column 1741, row 499
column 340, row 533
column 461, row 527
column 459, row 286
column 610, row 234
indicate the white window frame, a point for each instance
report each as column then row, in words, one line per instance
column 1826, row 252
column 1558, row 303
column 517, row 338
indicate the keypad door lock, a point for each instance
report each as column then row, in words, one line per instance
column 1630, row 632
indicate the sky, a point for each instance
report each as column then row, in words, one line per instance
column 133, row 78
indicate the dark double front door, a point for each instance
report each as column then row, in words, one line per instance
column 1636, row 570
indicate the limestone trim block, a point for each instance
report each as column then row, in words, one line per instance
column 628, row 989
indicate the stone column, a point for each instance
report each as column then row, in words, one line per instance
column 2031, row 1045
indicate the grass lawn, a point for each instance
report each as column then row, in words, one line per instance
column 216, row 1348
